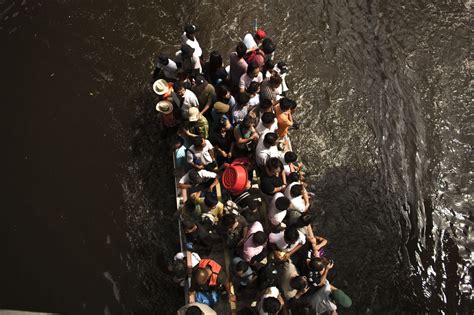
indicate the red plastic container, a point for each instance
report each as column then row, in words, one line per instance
column 235, row 178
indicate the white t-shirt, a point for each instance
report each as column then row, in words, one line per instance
column 296, row 203
column 261, row 128
column 169, row 70
column 204, row 155
column 193, row 43
column 262, row 153
column 254, row 101
column 279, row 240
column 189, row 100
column 270, row 292
column 204, row 174
column 274, row 215
column 245, row 80
column 196, row 62
column 195, row 259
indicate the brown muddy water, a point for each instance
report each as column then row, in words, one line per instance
column 385, row 94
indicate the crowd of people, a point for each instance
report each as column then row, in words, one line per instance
column 232, row 126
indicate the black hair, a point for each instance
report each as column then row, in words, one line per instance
column 265, row 103
column 298, row 283
column 242, row 266
column 253, row 87
column 304, row 220
column 273, row 163
column 246, row 311
column 179, row 139
column 291, row 235
column 259, row 238
column 293, row 104
column 210, row 199
column 228, row 220
column 215, row 61
column 163, row 59
column 178, row 268
column 188, row 224
column 270, row 139
column 268, row 118
column 292, row 177
column 193, row 310
column 221, row 91
column 197, row 141
column 275, row 80
column 296, row 190
column 290, row 157
column 194, row 176
column 251, row 67
column 246, row 122
column 285, row 104
column 267, row 46
column 252, row 204
column 242, row 98
column 271, row 305
column 241, row 49
column 316, row 264
column 282, row 203
column 178, row 86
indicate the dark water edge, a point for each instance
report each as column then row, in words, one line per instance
column 387, row 122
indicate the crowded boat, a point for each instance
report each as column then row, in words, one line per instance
column 244, row 210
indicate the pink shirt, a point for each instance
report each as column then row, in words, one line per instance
column 250, row 249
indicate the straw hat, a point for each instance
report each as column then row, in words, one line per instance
column 164, row 107
column 160, row 87
column 193, row 114
column 221, row 108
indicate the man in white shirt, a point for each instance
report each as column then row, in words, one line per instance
column 200, row 154
column 267, row 123
column 188, row 38
column 167, row 66
column 298, row 197
column 287, row 242
column 184, row 98
column 188, row 60
column 277, row 209
column 267, row 148
column 271, row 302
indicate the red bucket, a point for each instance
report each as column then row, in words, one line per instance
column 235, row 178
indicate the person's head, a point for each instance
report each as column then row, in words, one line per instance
column 194, row 177
column 293, row 104
column 181, row 75
column 222, row 93
column 274, row 166
column 188, row 225
column 179, row 88
column 271, row 305
column 253, row 69
column 200, row 80
column 198, row 142
column 282, row 203
column 246, row 124
column 190, row 30
column 163, row 59
column 177, row 268
column 285, row 104
column 178, row 142
column 242, row 99
column 292, row 177
column 265, row 105
column 223, row 124
column 269, row 65
column 304, row 220
column 296, row 190
column 268, row 119
column 229, row 220
column 259, row 35
column 193, row 310
column 241, row 49
column 290, row 157
column 201, row 276
column 241, row 267
column 316, row 264
column 291, row 235
column 253, row 88
column 187, row 51
column 259, row 238
column 298, row 283
column 275, row 81
column 215, row 60
column 252, row 205
column 270, row 139
column 268, row 46
column 210, row 200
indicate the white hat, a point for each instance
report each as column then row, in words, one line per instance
column 193, row 114
column 160, row 87
column 164, row 107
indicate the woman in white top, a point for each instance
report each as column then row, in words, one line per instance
column 253, row 74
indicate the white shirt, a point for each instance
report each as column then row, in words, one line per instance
column 204, row 174
column 195, row 259
column 279, row 240
column 245, row 80
column 262, row 153
column 271, row 292
column 204, row 155
column 193, row 43
column 196, row 62
column 254, row 101
column 274, row 215
column 169, row 70
column 189, row 100
column 261, row 130
column 296, row 203
column 249, row 42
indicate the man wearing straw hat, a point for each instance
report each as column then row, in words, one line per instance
column 168, row 118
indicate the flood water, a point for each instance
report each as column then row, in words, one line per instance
column 385, row 107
